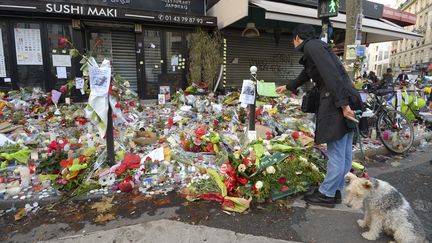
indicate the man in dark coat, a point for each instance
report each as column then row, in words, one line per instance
column 402, row 78
column 338, row 100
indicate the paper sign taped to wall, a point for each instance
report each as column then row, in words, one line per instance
column 61, row 60
column 61, row 72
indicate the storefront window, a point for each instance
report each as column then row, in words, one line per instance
column 101, row 45
column 165, row 58
column 174, row 43
column 28, row 50
column 153, row 60
column 58, row 49
column 5, row 76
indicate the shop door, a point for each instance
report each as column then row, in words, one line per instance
column 164, row 62
column 119, row 48
column 29, row 55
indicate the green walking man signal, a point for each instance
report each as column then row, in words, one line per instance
column 328, row 8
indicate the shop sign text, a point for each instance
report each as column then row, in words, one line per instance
column 177, row 4
column 117, row 1
column 80, row 10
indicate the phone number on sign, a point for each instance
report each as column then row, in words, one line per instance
column 180, row 19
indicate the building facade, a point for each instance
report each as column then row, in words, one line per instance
column 415, row 56
column 379, row 58
column 146, row 41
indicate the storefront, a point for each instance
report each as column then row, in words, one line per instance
column 270, row 24
column 147, row 41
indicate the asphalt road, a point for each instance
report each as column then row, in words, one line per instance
column 172, row 219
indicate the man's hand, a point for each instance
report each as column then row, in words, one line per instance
column 349, row 114
column 281, row 89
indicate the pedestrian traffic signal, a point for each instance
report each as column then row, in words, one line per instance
column 328, row 8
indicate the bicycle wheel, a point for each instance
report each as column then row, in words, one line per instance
column 395, row 131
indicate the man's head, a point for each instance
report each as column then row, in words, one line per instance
column 389, row 70
column 302, row 32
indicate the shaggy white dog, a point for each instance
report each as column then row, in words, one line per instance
column 384, row 209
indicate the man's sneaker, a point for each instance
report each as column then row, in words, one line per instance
column 338, row 197
column 319, row 199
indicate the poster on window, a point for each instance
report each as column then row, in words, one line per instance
column 2, row 58
column 28, row 46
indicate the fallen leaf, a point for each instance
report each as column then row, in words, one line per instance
column 103, row 206
column 20, row 214
column 162, row 201
column 102, row 218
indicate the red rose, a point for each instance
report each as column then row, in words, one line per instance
column 282, row 180
column 215, row 123
column 63, row 89
column 132, row 103
column 118, row 106
column 210, row 148
column 63, row 41
column 201, row 131
column 255, row 189
column 230, row 183
column 114, row 115
column 295, row 135
column 246, row 161
column 258, row 112
column 66, row 163
column 242, row 180
column 268, row 135
column 125, row 185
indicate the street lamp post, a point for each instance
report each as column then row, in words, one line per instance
column 253, row 70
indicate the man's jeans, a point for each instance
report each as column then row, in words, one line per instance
column 339, row 164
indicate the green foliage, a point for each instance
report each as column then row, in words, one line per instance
column 51, row 165
column 205, row 53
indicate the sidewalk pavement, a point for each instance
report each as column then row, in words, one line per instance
column 166, row 231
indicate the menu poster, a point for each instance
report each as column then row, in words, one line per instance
column 28, row 46
column 2, row 58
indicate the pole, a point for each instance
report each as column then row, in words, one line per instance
column 353, row 34
column 110, row 137
column 325, row 35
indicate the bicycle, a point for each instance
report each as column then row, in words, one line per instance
column 393, row 128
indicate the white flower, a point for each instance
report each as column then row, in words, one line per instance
column 269, row 147
column 314, row 167
column 241, row 168
column 303, row 159
column 271, row 169
column 127, row 84
column 66, row 147
column 128, row 92
column 259, row 185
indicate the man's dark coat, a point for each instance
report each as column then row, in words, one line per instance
column 336, row 90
